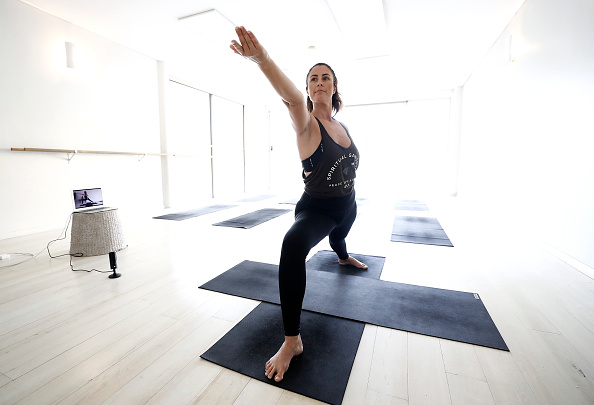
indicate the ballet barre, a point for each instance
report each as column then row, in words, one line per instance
column 71, row 152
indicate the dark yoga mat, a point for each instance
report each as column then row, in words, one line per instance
column 411, row 205
column 326, row 260
column 180, row 216
column 293, row 201
column 321, row 372
column 253, row 218
column 453, row 315
column 422, row 230
column 331, row 343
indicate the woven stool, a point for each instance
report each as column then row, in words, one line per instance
column 97, row 233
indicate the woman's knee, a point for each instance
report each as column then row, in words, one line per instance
column 294, row 245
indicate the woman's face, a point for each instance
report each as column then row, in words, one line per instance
column 320, row 84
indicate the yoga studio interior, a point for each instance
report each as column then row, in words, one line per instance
column 149, row 174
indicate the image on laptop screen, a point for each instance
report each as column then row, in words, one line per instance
column 90, row 197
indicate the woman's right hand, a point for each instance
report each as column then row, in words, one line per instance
column 249, row 47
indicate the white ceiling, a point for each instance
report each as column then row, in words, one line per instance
column 424, row 44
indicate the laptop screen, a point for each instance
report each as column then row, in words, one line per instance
column 90, row 197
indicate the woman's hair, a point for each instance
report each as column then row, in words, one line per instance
column 336, row 100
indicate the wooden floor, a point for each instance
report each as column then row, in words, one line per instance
column 81, row 338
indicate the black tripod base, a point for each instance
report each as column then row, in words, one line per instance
column 113, row 263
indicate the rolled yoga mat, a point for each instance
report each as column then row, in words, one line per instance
column 453, row 315
column 180, row 216
column 252, row 219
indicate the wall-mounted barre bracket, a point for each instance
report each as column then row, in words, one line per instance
column 140, row 157
column 69, row 156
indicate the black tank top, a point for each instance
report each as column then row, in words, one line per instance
column 332, row 167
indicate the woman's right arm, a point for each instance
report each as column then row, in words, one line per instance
column 251, row 49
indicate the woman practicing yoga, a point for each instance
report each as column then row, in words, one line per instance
column 327, row 207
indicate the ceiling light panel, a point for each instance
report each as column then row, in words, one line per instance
column 211, row 26
column 362, row 24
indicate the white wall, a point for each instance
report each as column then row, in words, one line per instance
column 187, row 133
column 403, row 148
column 527, row 128
column 218, row 71
column 257, row 150
column 110, row 103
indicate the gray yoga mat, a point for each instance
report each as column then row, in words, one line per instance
column 326, row 260
column 421, row 230
column 411, row 205
column 292, row 201
column 252, row 219
column 321, row 372
column 453, row 315
column 180, row 216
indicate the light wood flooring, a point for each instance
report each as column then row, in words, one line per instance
column 80, row 338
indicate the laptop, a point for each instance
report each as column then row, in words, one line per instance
column 88, row 200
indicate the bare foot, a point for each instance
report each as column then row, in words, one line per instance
column 353, row 262
column 279, row 363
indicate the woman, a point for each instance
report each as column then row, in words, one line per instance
column 327, row 207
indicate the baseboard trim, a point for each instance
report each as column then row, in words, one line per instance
column 564, row 257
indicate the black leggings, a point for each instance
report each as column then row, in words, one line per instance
column 314, row 220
